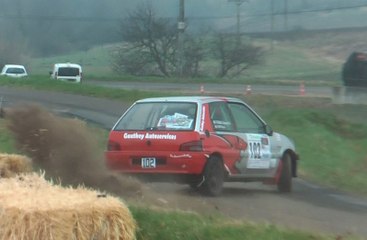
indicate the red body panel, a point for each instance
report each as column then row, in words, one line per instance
column 135, row 145
column 164, row 146
column 161, row 145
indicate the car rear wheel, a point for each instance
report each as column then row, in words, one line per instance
column 285, row 180
column 195, row 182
column 213, row 177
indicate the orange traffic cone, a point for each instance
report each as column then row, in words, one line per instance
column 302, row 89
column 248, row 90
column 202, row 89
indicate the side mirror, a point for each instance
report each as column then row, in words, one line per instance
column 268, row 130
column 207, row 133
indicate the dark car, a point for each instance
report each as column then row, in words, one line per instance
column 355, row 69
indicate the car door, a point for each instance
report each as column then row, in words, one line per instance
column 260, row 159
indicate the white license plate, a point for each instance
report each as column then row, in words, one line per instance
column 148, row 162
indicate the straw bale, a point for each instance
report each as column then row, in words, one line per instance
column 13, row 164
column 32, row 208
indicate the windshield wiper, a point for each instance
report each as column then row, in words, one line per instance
column 156, row 128
column 151, row 128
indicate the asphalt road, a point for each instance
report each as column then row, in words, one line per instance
column 309, row 207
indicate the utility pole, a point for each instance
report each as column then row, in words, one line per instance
column 272, row 24
column 181, row 29
column 285, row 15
column 238, row 27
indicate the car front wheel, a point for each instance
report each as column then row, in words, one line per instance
column 285, row 180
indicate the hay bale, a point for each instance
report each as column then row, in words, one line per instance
column 13, row 164
column 32, row 208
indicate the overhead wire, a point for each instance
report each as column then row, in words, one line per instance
column 118, row 19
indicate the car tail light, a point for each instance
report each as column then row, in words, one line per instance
column 194, row 146
column 113, row 146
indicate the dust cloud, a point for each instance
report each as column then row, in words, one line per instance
column 69, row 153
column 66, row 150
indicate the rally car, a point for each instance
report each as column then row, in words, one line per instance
column 202, row 141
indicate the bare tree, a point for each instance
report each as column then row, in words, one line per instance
column 193, row 54
column 145, row 32
column 235, row 57
column 132, row 61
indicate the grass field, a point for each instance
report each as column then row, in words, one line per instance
column 167, row 225
column 288, row 62
column 331, row 139
column 95, row 62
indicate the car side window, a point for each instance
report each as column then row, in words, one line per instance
column 221, row 117
column 245, row 120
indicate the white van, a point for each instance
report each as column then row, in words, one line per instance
column 67, row 71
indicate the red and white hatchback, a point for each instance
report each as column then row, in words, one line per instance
column 202, row 141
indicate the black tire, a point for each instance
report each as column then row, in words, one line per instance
column 213, row 177
column 285, row 179
column 195, row 182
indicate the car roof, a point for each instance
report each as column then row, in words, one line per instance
column 197, row 99
column 360, row 51
column 14, row 66
column 67, row 65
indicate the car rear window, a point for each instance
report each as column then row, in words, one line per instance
column 68, row 71
column 15, row 70
column 159, row 116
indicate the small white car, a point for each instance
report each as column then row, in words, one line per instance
column 67, row 71
column 12, row 70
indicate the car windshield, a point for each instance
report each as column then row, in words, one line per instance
column 159, row 116
column 68, row 71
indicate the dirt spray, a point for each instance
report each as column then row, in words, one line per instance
column 66, row 150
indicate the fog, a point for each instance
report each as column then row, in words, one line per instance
column 50, row 27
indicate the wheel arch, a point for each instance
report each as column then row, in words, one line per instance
column 220, row 157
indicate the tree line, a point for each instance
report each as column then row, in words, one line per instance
column 151, row 47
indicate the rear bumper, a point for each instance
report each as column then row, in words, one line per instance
column 69, row 79
column 172, row 163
